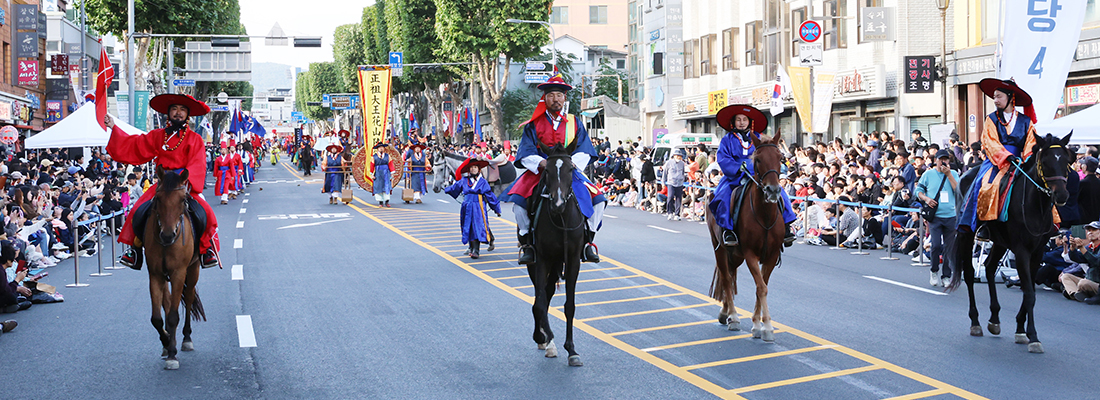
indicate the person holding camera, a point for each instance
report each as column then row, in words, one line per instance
column 1085, row 252
column 942, row 200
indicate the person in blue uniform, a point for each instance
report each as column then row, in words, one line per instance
column 477, row 199
column 742, row 123
column 418, row 168
column 552, row 125
column 334, row 172
column 381, row 166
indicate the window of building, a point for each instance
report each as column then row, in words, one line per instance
column 729, row 49
column 632, row 12
column 754, row 42
column 559, row 15
column 597, row 15
column 708, row 54
column 776, row 35
column 620, row 64
column 658, row 63
column 689, row 59
column 1092, row 15
column 991, row 13
column 836, row 30
column 798, row 16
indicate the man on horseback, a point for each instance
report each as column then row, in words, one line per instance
column 735, row 159
column 1007, row 136
column 552, row 125
column 174, row 147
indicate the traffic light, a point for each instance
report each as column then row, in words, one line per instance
column 427, row 69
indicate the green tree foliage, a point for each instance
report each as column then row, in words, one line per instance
column 380, row 53
column 565, row 67
column 349, row 51
column 369, row 24
column 477, row 29
column 517, row 106
column 606, row 85
column 320, row 79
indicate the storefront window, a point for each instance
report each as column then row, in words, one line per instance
column 1092, row 16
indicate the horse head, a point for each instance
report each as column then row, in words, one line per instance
column 766, row 161
column 557, row 177
column 170, row 204
column 1052, row 162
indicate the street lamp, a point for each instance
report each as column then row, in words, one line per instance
column 942, row 5
column 553, row 45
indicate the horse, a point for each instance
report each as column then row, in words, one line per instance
column 760, row 229
column 558, row 236
column 172, row 255
column 1030, row 224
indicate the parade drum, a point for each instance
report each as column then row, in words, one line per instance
column 360, row 167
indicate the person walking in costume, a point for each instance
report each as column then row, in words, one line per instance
column 477, row 198
column 418, row 170
column 334, row 172
column 742, row 123
column 381, row 166
column 552, row 125
column 305, row 159
column 1007, row 136
column 173, row 147
column 223, row 171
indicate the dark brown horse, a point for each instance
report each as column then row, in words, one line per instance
column 760, row 227
column 172, row 254
column 559, row 241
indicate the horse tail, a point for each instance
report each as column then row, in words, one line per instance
column 194, row 306
column 961, row 252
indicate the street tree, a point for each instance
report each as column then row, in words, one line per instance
column 349, row 52
column 609, row 86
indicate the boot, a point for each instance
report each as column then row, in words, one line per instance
column 469, row 247
column 591, row 252
column 729, row 237
column 387, row 203
column 131, row 258
column 475, row 249
column 788, row 237
column 491, row 245
column 210, row 258
column 982, row 235
column 527, row 252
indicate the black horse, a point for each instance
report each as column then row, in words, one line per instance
column 558, row 235
column 1030, row 224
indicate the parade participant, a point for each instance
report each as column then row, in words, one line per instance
column 552, row 125
column 238, row 171
column 248, row 161
column 381, row 166
column 226, row 175
column 476, row 195
column 418, row 168
column 174, row 147
column 334, row 172
column 735, row 159
column 345, row 138
column 305, row 159
column 243, row 167
column 1007, row 136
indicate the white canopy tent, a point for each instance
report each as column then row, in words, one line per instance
column 79, row 129
column 1085, row 125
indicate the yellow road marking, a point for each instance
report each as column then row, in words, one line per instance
column 600, row 303
column 646, row 312
column 581, row 271
column 659, row 362
column 617, row 288
column 589, row 280
column 495, row 261
column 704, row 341
column 757, row 357
column 663, row 327
column 295, row 173
column 921, row 395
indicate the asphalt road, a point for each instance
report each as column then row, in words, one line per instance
column 360, row 302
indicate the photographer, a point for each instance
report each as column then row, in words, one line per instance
column 1085, row 252
column 941, row 228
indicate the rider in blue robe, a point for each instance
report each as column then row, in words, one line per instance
column 382, row 166
column 734, row 151
column 477, row 199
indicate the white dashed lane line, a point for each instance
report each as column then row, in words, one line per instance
column 245, row 201
column 237, row 272
column 242, row 210
column 442, row 201
column 238, row 243
column 662, row 229
column 240, row 224
column 906, row 285
column 245, row 335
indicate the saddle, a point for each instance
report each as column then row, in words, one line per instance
column 195, row 211
column 993, row 196
column 736, row 198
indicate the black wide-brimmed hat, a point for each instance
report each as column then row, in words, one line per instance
column 381, row 145
column 726, row 114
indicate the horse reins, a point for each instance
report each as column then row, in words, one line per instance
column 179, row 225
column 1044, row 189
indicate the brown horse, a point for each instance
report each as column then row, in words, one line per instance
column 172, row 254
column 760, row 228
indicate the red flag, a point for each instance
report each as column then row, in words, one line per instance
column 103, row 80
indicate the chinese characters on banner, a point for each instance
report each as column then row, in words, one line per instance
column 28, row 72
column 53, row 111
column 716, row 100
column 878, row 24
column 919, row 76
column 374, row 89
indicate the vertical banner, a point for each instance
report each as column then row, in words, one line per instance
column 800, row 88
column 141, row 109
column 716, row 100
column 374, row 89
column 1039, row 47
column 823, row 100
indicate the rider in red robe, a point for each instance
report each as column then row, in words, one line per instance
column 225, row 173
column 174, row 147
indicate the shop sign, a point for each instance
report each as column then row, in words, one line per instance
column 716, row 100
column 5, row 110
column 860, row 84
column 919, row 74
column 54, row 110
column 684, row 107
column 1083, row 95
column 28, row 72
column 24, row 111
column 878, row 24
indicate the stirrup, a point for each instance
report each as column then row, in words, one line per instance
column 210, row 259
column 526, row 254
column 982, row 234
column 591, row 253
column 729, row 238
column 130, row 259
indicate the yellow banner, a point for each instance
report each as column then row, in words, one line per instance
column 374, row 90
column 800, row 88
column 716, row 100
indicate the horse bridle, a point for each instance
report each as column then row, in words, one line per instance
column 751, row 174
column 1045, row 187
column 571, row 197
column 179, row 225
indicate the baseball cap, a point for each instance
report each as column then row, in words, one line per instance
column 873, row 143
column 1091, row 164
column 16, row 175
column 1093, row 225
column 942, row 154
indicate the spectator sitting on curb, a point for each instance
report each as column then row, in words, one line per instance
column 1085, row 253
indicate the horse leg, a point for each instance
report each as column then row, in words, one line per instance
column 157, row 287
column 761, row 327
column 1027, row 307
column 733, row 322
column 991, row 265
column 572, row 270
column 551, row 280
column 189, row 299
column 769, row 331
column 173, row 319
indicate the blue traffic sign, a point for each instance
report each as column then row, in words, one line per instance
column 397, row 59
column 184, row 82
column 810, row 31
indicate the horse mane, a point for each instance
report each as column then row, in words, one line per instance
column 169, row 181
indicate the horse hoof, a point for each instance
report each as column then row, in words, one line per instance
column 1021, row 338
column 723, row 318
column 734, row 324
column 575, row 361
column 187, row 346
column 756, row 333
column 551, row 350
column 994, row 329
column 975, row 331
column 542, row 346
column 171, row 364
column 1035, row 347
column 768, row 336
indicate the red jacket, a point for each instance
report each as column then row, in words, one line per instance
column 140, row 149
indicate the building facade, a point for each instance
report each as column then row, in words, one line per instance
column 598, row 23
column 659, row 66
column 22, row 89
column 63, row 52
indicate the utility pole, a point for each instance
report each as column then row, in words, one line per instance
column 83, row 53
column 130, row 78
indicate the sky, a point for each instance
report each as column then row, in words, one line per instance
column 314, row 18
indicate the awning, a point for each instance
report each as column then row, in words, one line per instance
column 591, row 113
